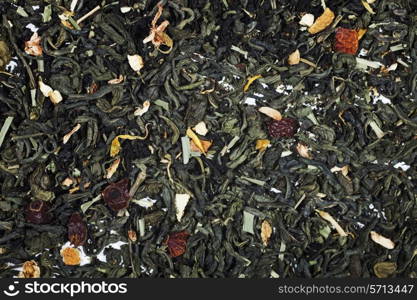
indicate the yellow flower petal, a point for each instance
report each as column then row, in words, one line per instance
column 250, row 81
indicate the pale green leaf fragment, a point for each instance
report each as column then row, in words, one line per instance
column 87, row 205
column 186, row 149
column 325, row 231
column 5, row 128
column 248, row 220
column 47, row 13
column 162, row 104
column 21, row 11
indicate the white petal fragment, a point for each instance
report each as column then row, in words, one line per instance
column 181, row 201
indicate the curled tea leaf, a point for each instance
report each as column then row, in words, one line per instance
column 322, row 22
column 271, row 112
column 385, row 269
column 368, row 7
column 266, row 232
column 326, row 216
column 30, row 269
column 381, row 240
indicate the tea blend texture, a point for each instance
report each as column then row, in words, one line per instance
column 224, row 138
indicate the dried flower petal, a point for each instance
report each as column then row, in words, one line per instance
column 116, row 80
column 261, row 145
column 30, row 269
column 77, row 230
column 266, row 232
column 116, row 195
column 322, row 22
column 181, row 201
column 250, row 81
column 66, row 137
column 115, row 144
column 326, row 216
column 157, row 35
column 33, row 47
column 112, row 169
column 141, row 111
column 303, row 150
column 177, row 243
column 294, row 58
column 131, row 234
column 71, row 256
column 271, row 112
column 381, row 240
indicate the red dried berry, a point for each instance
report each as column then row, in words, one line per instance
column 116, row 195
column 286, row 127
column 177, row 243
column 37, row 212
column 77, row 230
column 346, row 41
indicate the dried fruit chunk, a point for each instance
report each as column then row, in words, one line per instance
column 346, row 41
column 116, row 195
column 177, row 243
column 285, row 127
column 77, row 230
column 37, row 212
column 322, row 22
column 71, row 256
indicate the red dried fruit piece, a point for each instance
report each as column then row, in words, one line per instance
column 346, row 41
column 286, row 127
column 177, row 243
column 116, row 195
column 77, row 230
column 37, row 212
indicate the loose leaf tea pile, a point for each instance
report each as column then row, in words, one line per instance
column 193, row 138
